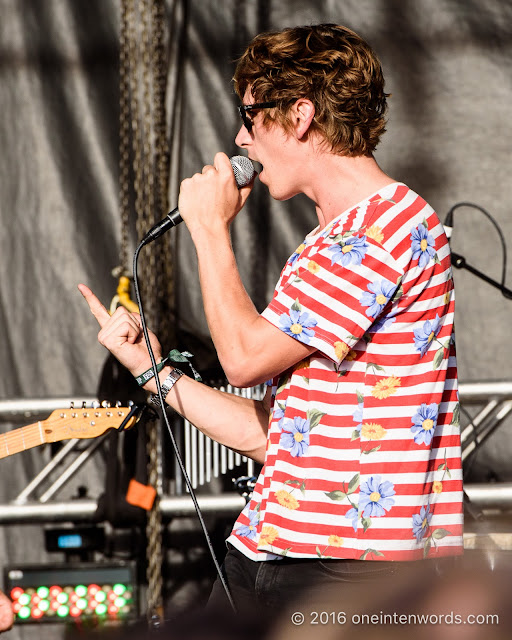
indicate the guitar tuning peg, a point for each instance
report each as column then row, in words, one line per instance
column 105, row 404
column 84, row 404
column 71, row 405
column 119, row 403
column 130, row 403
column 95, row 404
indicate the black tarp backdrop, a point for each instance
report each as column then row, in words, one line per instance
column 447, row 64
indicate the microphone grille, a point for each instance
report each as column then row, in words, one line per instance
column 243, row 170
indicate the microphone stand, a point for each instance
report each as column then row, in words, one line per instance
column 460, row 262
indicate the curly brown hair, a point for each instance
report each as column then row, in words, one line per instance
column 331, row 66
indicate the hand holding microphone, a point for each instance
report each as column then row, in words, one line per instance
column 243, row 171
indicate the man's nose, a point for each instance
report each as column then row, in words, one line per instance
column 243, row 137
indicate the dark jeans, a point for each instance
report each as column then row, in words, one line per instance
column 275, row 586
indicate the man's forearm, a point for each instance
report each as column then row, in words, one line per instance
column 238, row 423
column 231, row 315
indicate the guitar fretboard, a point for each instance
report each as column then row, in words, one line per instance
column 21, row 439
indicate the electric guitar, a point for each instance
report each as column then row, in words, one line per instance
column 64, row 424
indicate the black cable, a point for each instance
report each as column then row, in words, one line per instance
column 171, row 435
column 500, row 234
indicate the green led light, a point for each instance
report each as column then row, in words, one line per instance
column 44, row 605
column 24, row 612
column 81, row 603
column 24, row 599
column 43, row 592
column 100, row 596
column 62, row 597
column 101, row 609
column 120, row 602
column 63, row 611
column 119, row 589
column 81, row 590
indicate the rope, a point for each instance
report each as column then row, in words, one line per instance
column 143, row 142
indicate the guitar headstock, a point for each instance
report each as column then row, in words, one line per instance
column 64, row 424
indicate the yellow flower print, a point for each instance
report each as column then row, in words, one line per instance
column 375, row 233
column 302, row 364
column 341, row 349
column 313, row 267
column 351, row 355
column 286, row 499
column 373, row 431
column 437, row 486
column 447, row 297
column 386, row 387
column 268, row 535
column 335, row 541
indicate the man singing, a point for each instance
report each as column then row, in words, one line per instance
column 358, row 431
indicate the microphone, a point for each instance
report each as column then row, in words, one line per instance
column 448, row 224
column 244, row 173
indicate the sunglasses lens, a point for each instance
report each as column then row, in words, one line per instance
column 247, row 121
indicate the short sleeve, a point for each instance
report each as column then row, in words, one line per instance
column 331, row 294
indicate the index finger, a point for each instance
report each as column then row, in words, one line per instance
column 96, row 307
column 222, row 163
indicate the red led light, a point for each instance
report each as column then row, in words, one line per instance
column 54, row 605
column 16, row 593
column 111, row 596
column 92, row 589
column 55, row 590
column 16, row 606
column 36, row 613
column 74, row 597
column 74, row 611
column 36, row 599
column 113, row 609
column 93, row 604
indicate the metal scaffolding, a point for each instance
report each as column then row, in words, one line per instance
column 206, row 460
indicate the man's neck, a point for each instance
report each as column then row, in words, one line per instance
column 338, row 183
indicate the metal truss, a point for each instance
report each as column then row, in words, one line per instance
column 206, row 460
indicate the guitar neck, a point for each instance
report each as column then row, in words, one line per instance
column 21, row 439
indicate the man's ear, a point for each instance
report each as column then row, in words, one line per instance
column 303, row 112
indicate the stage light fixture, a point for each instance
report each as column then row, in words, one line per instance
column 63, row 593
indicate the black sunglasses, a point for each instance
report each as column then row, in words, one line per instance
column 245, row 111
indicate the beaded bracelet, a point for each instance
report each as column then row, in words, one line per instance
column 173, row 356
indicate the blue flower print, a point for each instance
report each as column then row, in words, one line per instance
column 350, row 251
column 249, row 530
column 357, row 416
column 278, row 414
column 421, row 522
column 379, row 295
column 422, row 245
column 424, row 423
column 295, row 255
column 383, row 324
column 353, row 514
column 375, row 497
column 295, row 436
column 425, row 335
column 298, row 325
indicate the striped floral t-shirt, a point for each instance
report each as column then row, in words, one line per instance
column 363, row 456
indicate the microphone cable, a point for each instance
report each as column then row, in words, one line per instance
column 169, row 430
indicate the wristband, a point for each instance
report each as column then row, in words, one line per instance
column 167, row 385
column 173, row 356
